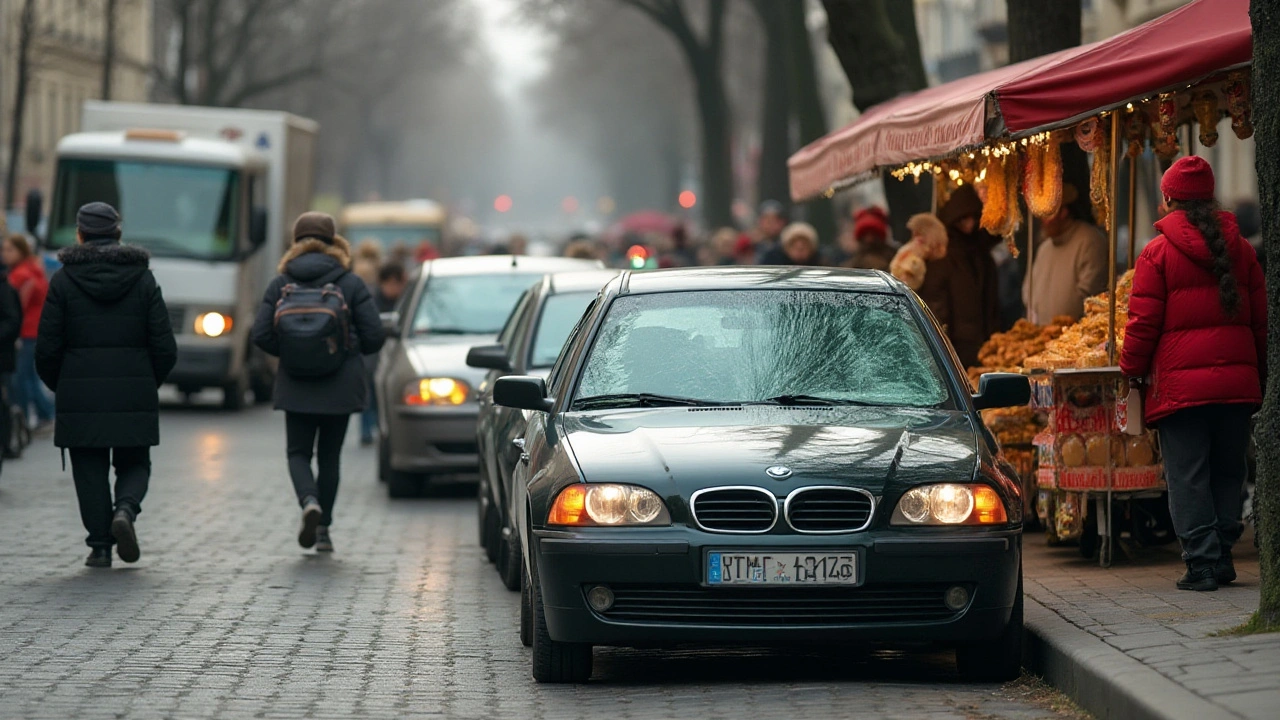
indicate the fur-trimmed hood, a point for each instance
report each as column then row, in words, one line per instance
column 340, row 250
column 105, row 272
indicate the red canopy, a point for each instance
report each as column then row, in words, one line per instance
column 1196, row 40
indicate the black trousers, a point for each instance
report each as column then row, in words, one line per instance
column 321, row 436
column 91, row 470
column 1205, row 461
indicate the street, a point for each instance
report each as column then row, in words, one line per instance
column 225, row 616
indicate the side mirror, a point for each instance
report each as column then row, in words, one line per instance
column 258, row 227
column 390, row 323
column 1000, row 390
column 489, row 357
column 522, row 392
column 35, row 209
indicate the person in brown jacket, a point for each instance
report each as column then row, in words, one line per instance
column 961, row 289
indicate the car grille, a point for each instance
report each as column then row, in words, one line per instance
column 692, row 605
column 735, row 509
column 178, row 319
column 829, row 510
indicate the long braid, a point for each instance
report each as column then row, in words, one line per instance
column 1204, row 215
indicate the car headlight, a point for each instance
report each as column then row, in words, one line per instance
column 608, row 504
column 436, row 391
column 950, row 504
column 213, row 324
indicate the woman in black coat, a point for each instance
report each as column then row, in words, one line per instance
column 318, row 409
column 104, row 347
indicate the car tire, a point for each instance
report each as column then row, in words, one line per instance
column 492, row 533
column 509, row 562
column 555, row 662
column 404, row 485
column 999, row 659
column 384, row 459
column 526, row 608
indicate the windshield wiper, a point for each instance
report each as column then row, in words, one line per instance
column 622, row 400
column 810, row 400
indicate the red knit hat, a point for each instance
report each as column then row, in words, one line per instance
column 1190, row 178
column 870, row 221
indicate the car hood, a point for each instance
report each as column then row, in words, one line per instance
column 446, row 356
column 686, row 449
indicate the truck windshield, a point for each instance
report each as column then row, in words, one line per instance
column 389, row 236
column 172, row 210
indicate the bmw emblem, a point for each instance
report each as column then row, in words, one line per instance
column 778, row 472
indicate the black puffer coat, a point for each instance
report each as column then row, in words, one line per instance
column 312, row 263
column 10, row 323
column 104, row 347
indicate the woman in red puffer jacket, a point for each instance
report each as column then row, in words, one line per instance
column 1197, row 338
column 26, row 275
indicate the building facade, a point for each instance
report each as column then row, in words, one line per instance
column 67, row 56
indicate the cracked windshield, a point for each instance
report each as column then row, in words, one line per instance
column 758, row 345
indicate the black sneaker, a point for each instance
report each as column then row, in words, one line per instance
column 99, row 557
column 126, row 539
column 323, row 543
column 1225, row 571
column 311, row 514
column 1198, row 579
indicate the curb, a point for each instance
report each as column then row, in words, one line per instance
column 1101, row 679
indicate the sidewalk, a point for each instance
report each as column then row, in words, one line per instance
column 1125, row 643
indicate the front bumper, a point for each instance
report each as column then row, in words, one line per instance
column 433, row 439
column 657, row 576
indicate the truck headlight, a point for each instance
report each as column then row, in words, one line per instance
column 213, row 324
column 950, row 504
column 437, row 391
column 608, row 504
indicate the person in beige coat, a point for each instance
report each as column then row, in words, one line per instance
column 1070, row 265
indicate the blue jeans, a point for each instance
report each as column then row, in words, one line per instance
column 26, row 388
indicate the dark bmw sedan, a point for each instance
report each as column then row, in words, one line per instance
column 764, row 456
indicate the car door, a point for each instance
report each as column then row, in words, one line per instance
column 490, row 436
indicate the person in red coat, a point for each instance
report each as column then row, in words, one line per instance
column 26, row 275
column 1196, row 340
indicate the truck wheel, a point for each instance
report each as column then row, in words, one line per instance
column 404, row 485
column 555, row 662
column 233, row 394
column 1000, row 658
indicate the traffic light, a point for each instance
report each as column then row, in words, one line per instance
column 502, row 203
column 637, row 257
column 687, row 199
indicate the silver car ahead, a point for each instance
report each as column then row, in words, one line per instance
column 427, row 405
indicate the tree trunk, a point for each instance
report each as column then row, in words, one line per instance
column 879, row 49
column 183, row 9
column 1040, row 27
column 810, row 115
column 26, row 34
column 1265, row 15
column 775, row 133
column 108, row 48
column 717, row 166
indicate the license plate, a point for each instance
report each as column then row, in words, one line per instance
column 759, row 568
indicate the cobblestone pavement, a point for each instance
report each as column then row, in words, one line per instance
column 226, row 617
column 1134, row 607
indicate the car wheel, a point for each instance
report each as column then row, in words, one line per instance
column 555, row 662
column 492, row 533
column 526, row 608
column 509, row 562
column 999, row 659
column 384, row 459
column 404, row 485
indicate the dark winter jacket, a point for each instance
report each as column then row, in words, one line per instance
column 1178, row 335
column 10, row 324
column 104, row 347
column 312, row 263
column 962, row 290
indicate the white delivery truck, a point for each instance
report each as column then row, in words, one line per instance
column 211, row 193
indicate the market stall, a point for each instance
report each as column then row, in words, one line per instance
column 1125, row 97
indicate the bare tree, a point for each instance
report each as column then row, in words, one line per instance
column 1265, row 16
column 109, row 47
column 806, row 96
column 879, row 49
column 26, row 37
column 776, row 142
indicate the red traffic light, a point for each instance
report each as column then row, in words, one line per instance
column 502, row 203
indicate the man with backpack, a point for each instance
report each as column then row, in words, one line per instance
column 319, row 319
column 104, row 347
